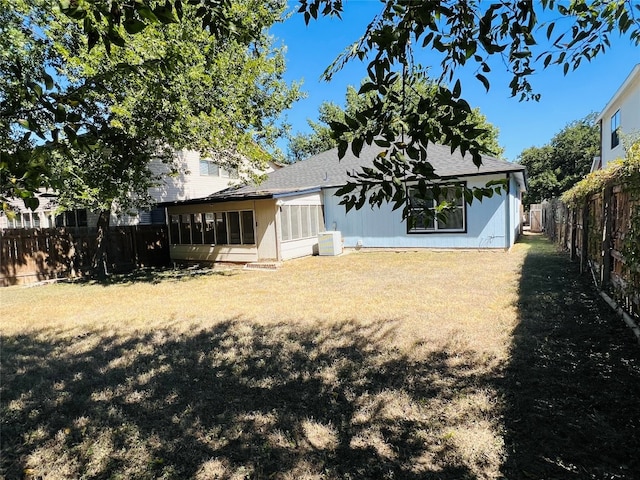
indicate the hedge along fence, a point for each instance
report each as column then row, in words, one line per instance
column 33, row 255
column 598, row 221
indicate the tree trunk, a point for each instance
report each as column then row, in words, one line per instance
column 99, row 264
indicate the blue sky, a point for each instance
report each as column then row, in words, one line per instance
column 310, row 49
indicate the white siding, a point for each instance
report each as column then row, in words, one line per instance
column 627, row 101
column 487, row 224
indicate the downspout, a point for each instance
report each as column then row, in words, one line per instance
column 507, row 236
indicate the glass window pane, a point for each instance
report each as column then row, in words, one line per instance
column 185, row 229
column 304, row 221
column 197, row 229
column 285, row 223
column 295, row 222
column 233, row 220
column 70, row 218
column 81, row 216
column 454, row 220
column 204, row 167
column 221, row 228
column 248, row 235
column 36, row 220
column 209, row 228
column 174, row 229
column 314, row 220
column 26, row 218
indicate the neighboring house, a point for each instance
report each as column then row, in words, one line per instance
column 280, row 219
column 621, row 116
column 197, row 177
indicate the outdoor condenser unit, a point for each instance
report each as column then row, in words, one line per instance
column 329, row 243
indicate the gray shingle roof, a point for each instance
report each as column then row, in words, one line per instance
column 325, row 170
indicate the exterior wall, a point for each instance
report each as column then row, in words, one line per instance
column 487, row 223
column 302, row 247
column 186, row 185
column 627, row 100
column 269, row 244
column 515, row 211
column 264, row 234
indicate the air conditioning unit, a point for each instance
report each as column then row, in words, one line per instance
column 329, row 243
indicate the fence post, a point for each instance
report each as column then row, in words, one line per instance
column 605, row 274
column 572, row 234
column 584, row 250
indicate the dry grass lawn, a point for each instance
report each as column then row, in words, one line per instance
column 368, row 365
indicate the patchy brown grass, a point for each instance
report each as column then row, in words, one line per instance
column 368, row 365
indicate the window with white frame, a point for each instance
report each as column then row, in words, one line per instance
column 443, row 212
column 615, row 129
column 300, row 221
column 213, row 228
column 208, row 168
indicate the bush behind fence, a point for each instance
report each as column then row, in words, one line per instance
column 32, row 255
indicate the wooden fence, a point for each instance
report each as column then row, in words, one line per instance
column 594, row 234
column 32, row 255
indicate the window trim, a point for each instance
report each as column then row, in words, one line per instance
column 615, row 129
column 435, row 230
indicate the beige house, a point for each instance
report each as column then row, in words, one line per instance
column 196, row 178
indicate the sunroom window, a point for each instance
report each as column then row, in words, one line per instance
column 213, row 228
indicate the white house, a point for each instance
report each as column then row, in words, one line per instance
column 196, row 178
column 280, row 219
column 620, row 117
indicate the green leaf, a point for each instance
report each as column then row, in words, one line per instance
column 31, row 202
column 48, row 81
column 133, row 26
column 484, row 81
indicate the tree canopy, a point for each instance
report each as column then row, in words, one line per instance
column 557, row 166
column 466, row 32
column 320, row 139
column 86, row 118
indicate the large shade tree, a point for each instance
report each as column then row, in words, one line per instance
column 557, row 166
column 104, row 114
column 468, row 32
column 320, row 139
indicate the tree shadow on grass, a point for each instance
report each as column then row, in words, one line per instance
column 237, row 401
column 573, row 384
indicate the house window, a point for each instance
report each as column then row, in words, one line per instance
column 185, row 228
column 221, row 228
column 196, row 233
column 445, row 213
column 300, row 221
column 231, row 173
column 233, row 221
column 72, row 218
column 248, row 232
column 174, row 229
column 209, row 228
column 615, row 129
column 208, row 168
